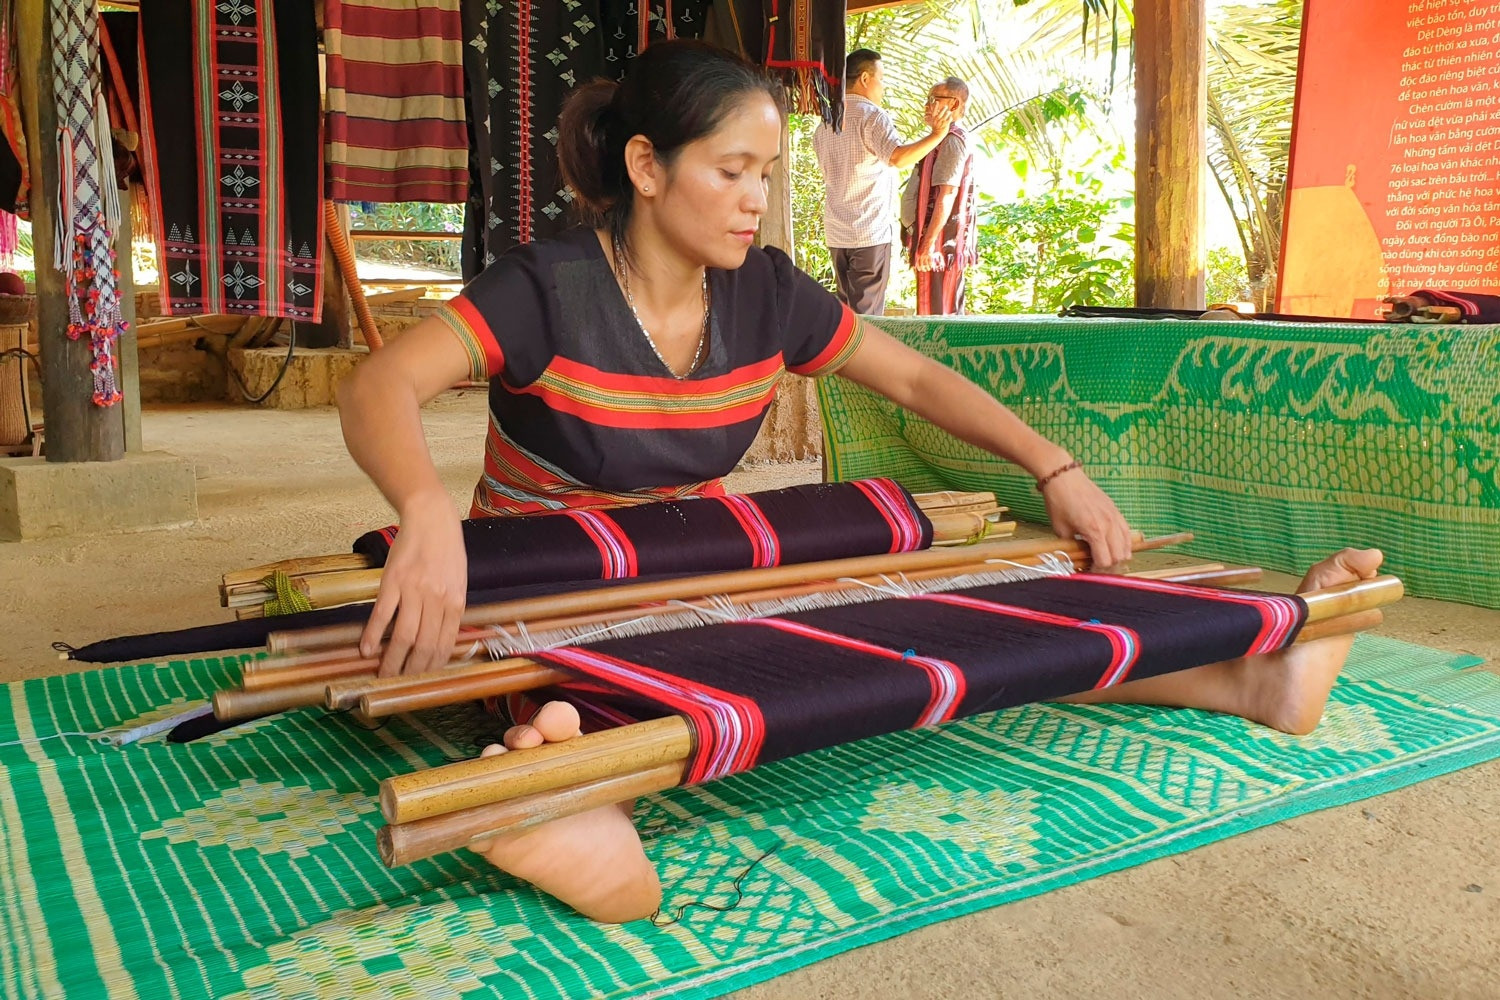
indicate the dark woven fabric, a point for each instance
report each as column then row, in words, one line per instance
column 234, row 156
column 685, row 537
column 805, row 47
column 522, row 59
column 800, row 42
column 1476, row 308
column 760, row 690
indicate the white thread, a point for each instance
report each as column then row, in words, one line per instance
column 120, row 738
column 56, row 736
column 722, row 608
column 124, row 737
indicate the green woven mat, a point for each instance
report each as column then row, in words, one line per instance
column 243, row 865
column 1273, row 443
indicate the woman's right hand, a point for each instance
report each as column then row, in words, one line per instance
column 424, row 586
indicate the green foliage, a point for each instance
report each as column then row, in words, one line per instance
column 1252, row 84
column 1063, row 248
column 810, row 253
column 1228, row 280
column 412, row 216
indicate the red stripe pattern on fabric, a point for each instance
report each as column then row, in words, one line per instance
column 1280, row 615
column 616, row 550
column 764, row 542
column 1126, row 645
column 946, row 679
column 908, row 525
column 729, row 727
column 405, row 145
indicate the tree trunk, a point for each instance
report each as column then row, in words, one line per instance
column 1171, row 151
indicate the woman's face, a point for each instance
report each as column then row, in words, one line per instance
column 714, row 193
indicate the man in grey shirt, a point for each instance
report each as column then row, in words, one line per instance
column 859, row 167
column 937, row 210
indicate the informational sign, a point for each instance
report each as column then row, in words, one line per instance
column 1395, row 159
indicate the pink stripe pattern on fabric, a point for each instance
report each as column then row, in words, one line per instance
column 616, row 550
column 946, row 679
column 763, row 538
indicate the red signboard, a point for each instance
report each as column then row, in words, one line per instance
column 1395, row 154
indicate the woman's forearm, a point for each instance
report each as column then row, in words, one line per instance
column 944, row 397
column 382, row 423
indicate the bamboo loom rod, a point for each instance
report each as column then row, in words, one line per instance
column 409, row 842
column 345, row 662
column 578, row 602
column 378, row 697
column 463, row 785
column 351, row 677
column 352, row 682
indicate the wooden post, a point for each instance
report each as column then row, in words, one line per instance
column 77, row 430
column 127, row 348
column 776, row 224
column 336, row 329
column 1171, row 152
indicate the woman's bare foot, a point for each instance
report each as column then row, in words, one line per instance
column 1288, row 690
column 593, row 861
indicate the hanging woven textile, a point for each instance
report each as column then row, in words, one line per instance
column 762, row 689
column 395, row 80
column 805, row 47
column 229, row 113
column 801, row 42
column 88, row 204
column 14, row 179
column 523, row 60
column 681, row 537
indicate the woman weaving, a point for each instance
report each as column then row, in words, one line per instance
column 634, row 359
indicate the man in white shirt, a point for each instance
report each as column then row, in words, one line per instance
column 860, row 167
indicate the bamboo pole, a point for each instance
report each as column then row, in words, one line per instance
column 432, row 792
column 685, row 588
column 467, row 783
column 409, row 842
column 352, row 684
column 231, row 704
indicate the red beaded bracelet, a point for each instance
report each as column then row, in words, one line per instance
column 1075, row 464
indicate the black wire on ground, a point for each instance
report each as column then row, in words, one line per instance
column 291, row 345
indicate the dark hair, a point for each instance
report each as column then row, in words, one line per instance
column 673, row 93
column 858, row 62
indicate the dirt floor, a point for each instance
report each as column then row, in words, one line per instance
column 1397, row 896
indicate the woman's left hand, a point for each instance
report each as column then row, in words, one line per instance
column 1078, row 508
